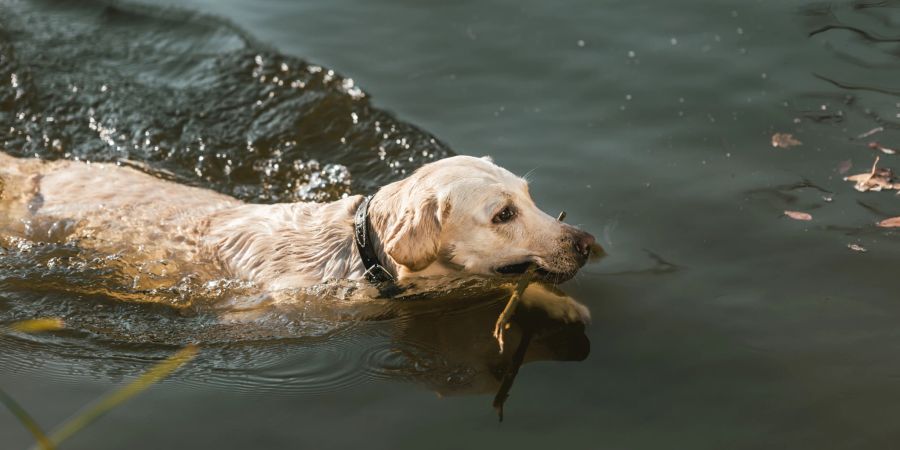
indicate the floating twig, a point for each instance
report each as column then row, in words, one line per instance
column 44, row 443
column 870, row 132
column 121, row 395
column 104, row 405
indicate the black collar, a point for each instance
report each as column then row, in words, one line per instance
column 375, row 273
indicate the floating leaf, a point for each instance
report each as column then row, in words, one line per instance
column 885, row 150
column 893, row 222
column 784, row 140
column 38, row 325
column 797, row 215
column 876, row 180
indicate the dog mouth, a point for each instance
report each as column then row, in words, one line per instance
column 514, row 269
column 540, row 272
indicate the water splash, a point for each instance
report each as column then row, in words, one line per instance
column 192, row 98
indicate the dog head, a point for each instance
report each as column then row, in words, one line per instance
column 466, row 214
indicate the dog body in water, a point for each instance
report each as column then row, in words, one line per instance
column 460, row 215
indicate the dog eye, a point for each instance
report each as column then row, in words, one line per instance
column 504, row 215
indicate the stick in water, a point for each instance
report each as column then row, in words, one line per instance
column 503, row 322
column 509, row 375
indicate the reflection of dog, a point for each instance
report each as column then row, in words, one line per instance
column 452, row 351
column 457, row 215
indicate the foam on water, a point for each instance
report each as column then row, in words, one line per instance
column 195, row 99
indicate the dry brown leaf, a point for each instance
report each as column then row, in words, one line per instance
column 885, row 150
column 857, row 248
column 893, row 222
column 797, row 215
column 784, row 140
column 876, row 180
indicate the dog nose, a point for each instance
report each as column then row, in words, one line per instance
column 583, row 242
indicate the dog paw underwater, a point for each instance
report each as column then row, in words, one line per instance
column 428, row 260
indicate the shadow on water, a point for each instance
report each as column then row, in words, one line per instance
column 306, row 342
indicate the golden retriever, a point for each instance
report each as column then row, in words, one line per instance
column 460, row 215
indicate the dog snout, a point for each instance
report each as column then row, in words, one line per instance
column 583, row 242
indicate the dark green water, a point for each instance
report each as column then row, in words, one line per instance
column 718, row 322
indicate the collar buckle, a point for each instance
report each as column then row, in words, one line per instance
column 377, row 274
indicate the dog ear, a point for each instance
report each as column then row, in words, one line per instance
column 414, row 238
